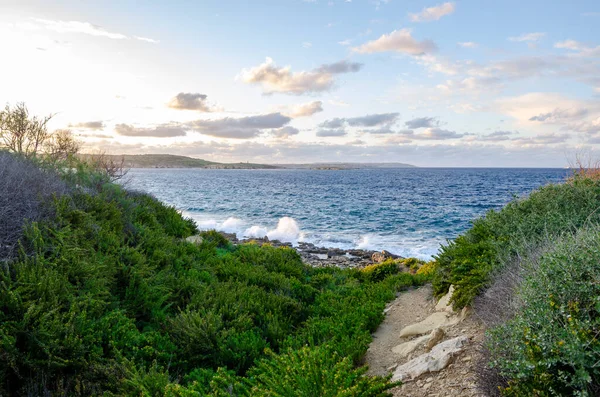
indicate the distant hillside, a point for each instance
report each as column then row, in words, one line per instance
column 345, row 166
column 173, row 161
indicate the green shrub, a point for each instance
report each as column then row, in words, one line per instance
column 551, row 346
column 500, row 236
column 314, row 372
column 380, row 271
column 108, row 298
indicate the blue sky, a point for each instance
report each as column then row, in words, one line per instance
column 463, row 83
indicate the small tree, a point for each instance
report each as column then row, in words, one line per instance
column 62, row 145
column 20, row 133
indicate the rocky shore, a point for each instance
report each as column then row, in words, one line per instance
column 322, row 256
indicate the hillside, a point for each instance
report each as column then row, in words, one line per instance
column 531, row 271
column 345, row 166
column 174, row 161
column 103, row 292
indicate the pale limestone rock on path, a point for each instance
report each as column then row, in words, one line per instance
column 434, row 361
column 389, row 352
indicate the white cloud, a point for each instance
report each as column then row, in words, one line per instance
column 81, row 28
column 239, row 128
column 582, row 49
column 345, row 42
column 283, row 80
column 304, row 109
column 90, row 125
column 433, row 13
column 436, row 134
column 467, row 44
column 284, row 132
column 528, row 37
column 146, row 39
column 306, row 44
column 370, row 120
column 397, row 41
column 190, row 101
column 159, row 131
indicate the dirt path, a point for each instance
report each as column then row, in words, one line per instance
column 410, row 307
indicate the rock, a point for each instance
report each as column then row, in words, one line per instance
column 406, row 348
column 393, row 367
column 434, row 338
column 388, row 255
column 378, row 257
column 465, row 312
column 436, row 320
column 434, row 361
column 196, row 239
column 443, row 304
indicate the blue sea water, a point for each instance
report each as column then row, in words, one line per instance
column 407, row 211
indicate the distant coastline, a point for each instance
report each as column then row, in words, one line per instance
column 174, row 161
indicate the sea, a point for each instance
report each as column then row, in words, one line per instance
column 407, row 211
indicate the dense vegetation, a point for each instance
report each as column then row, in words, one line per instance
column 105, row 295
column 538, row 261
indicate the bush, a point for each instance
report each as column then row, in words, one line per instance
column 550, row 346
column 111, row 299
column 380, row 271
column 500, row 236
column 314, row 372
column 26, row 195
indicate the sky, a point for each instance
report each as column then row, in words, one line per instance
column 466, row 83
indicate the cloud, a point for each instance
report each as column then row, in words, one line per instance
column 146, row 39
column 304, row 109
column 541, row 108
column 560, row 115
column 306, row 44
column 397, row 41
column 89, row 125
column 582, row 49
column 239, row 128
column 373, row 120
column 432, row 134
column 346, row 42
column 281, row 79
column 497, row 136
column 284, row 132
column 528, row 37
column 543, row 139
column 83, row 28
column 433, row 13
column 380, row 131
column 467, row 44
column 422, row 122
column 340, row 67
column 331, row 132
column 433, row 154
column 370, row 120
column 333, row 123
column 159, row 131
column 190, row 101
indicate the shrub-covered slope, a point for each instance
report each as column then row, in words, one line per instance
column 538, row 261
column 107, row 297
